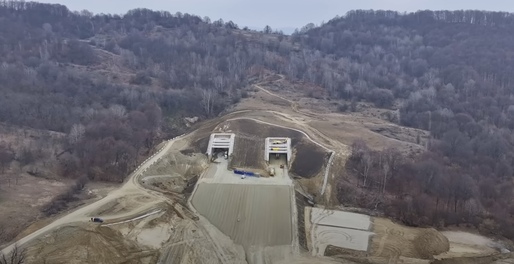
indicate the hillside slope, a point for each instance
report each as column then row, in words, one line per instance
column 112, row 85
column 446, row 72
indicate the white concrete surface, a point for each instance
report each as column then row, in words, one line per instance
column 340, row 219
column 338, row 228
column 340, row 237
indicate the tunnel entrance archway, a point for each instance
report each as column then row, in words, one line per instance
column 219, row 143
column 277, row 147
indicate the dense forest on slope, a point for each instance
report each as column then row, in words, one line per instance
column 169, row 66
column 115, row 84
column 446, row 72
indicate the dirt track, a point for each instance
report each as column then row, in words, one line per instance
column 264, row 208
column 305, row 164
column 393, row 241
column 82, row 214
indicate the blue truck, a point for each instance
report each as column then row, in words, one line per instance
column 245, row 173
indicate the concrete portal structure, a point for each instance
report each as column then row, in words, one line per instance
column 223, row 141
column 277, row 145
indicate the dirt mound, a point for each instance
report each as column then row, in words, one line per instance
column 495, row 259
column 199, row 145
column 87, row 243
column 333, row 251
column 308, row 159
column 394, row 241
column 430, row 242
column 176, row 163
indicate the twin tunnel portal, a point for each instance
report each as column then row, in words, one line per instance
column 258, row 212
column 273, row 146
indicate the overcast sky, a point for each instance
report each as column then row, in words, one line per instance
column 279, row 13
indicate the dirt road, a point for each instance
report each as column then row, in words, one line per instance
column 294, row 107
column 83, row 214
column 327, row 169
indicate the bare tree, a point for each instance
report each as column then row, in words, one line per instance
column 118, row 111
column 386, row 168
column 207, row 101
column 368, row 164
column 76, row 133
column 6, row 156
column 16, row 256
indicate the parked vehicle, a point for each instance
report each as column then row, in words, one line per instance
column 246, row 173
column 96, row 220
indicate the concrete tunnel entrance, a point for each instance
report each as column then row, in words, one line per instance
column 277, row 155
column 219, row 143
column 277, row 150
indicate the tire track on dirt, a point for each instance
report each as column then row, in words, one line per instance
column 294, row 107
column 130, row 187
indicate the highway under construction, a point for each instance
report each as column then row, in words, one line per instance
column 232, row 200
column 256, row 209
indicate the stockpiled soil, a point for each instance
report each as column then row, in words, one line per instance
column 309, row 159
column 429, row 242
column 392, row 241
column 258, row 215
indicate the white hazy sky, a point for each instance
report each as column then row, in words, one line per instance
column 279, row 13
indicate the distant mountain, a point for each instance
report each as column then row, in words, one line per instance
column 285, row 30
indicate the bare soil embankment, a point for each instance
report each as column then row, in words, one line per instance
column 393, row 241
column 308, row 158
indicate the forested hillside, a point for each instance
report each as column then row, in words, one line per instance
column 115, row 84
column 446, row 72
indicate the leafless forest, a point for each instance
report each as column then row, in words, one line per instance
column 113, row 85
